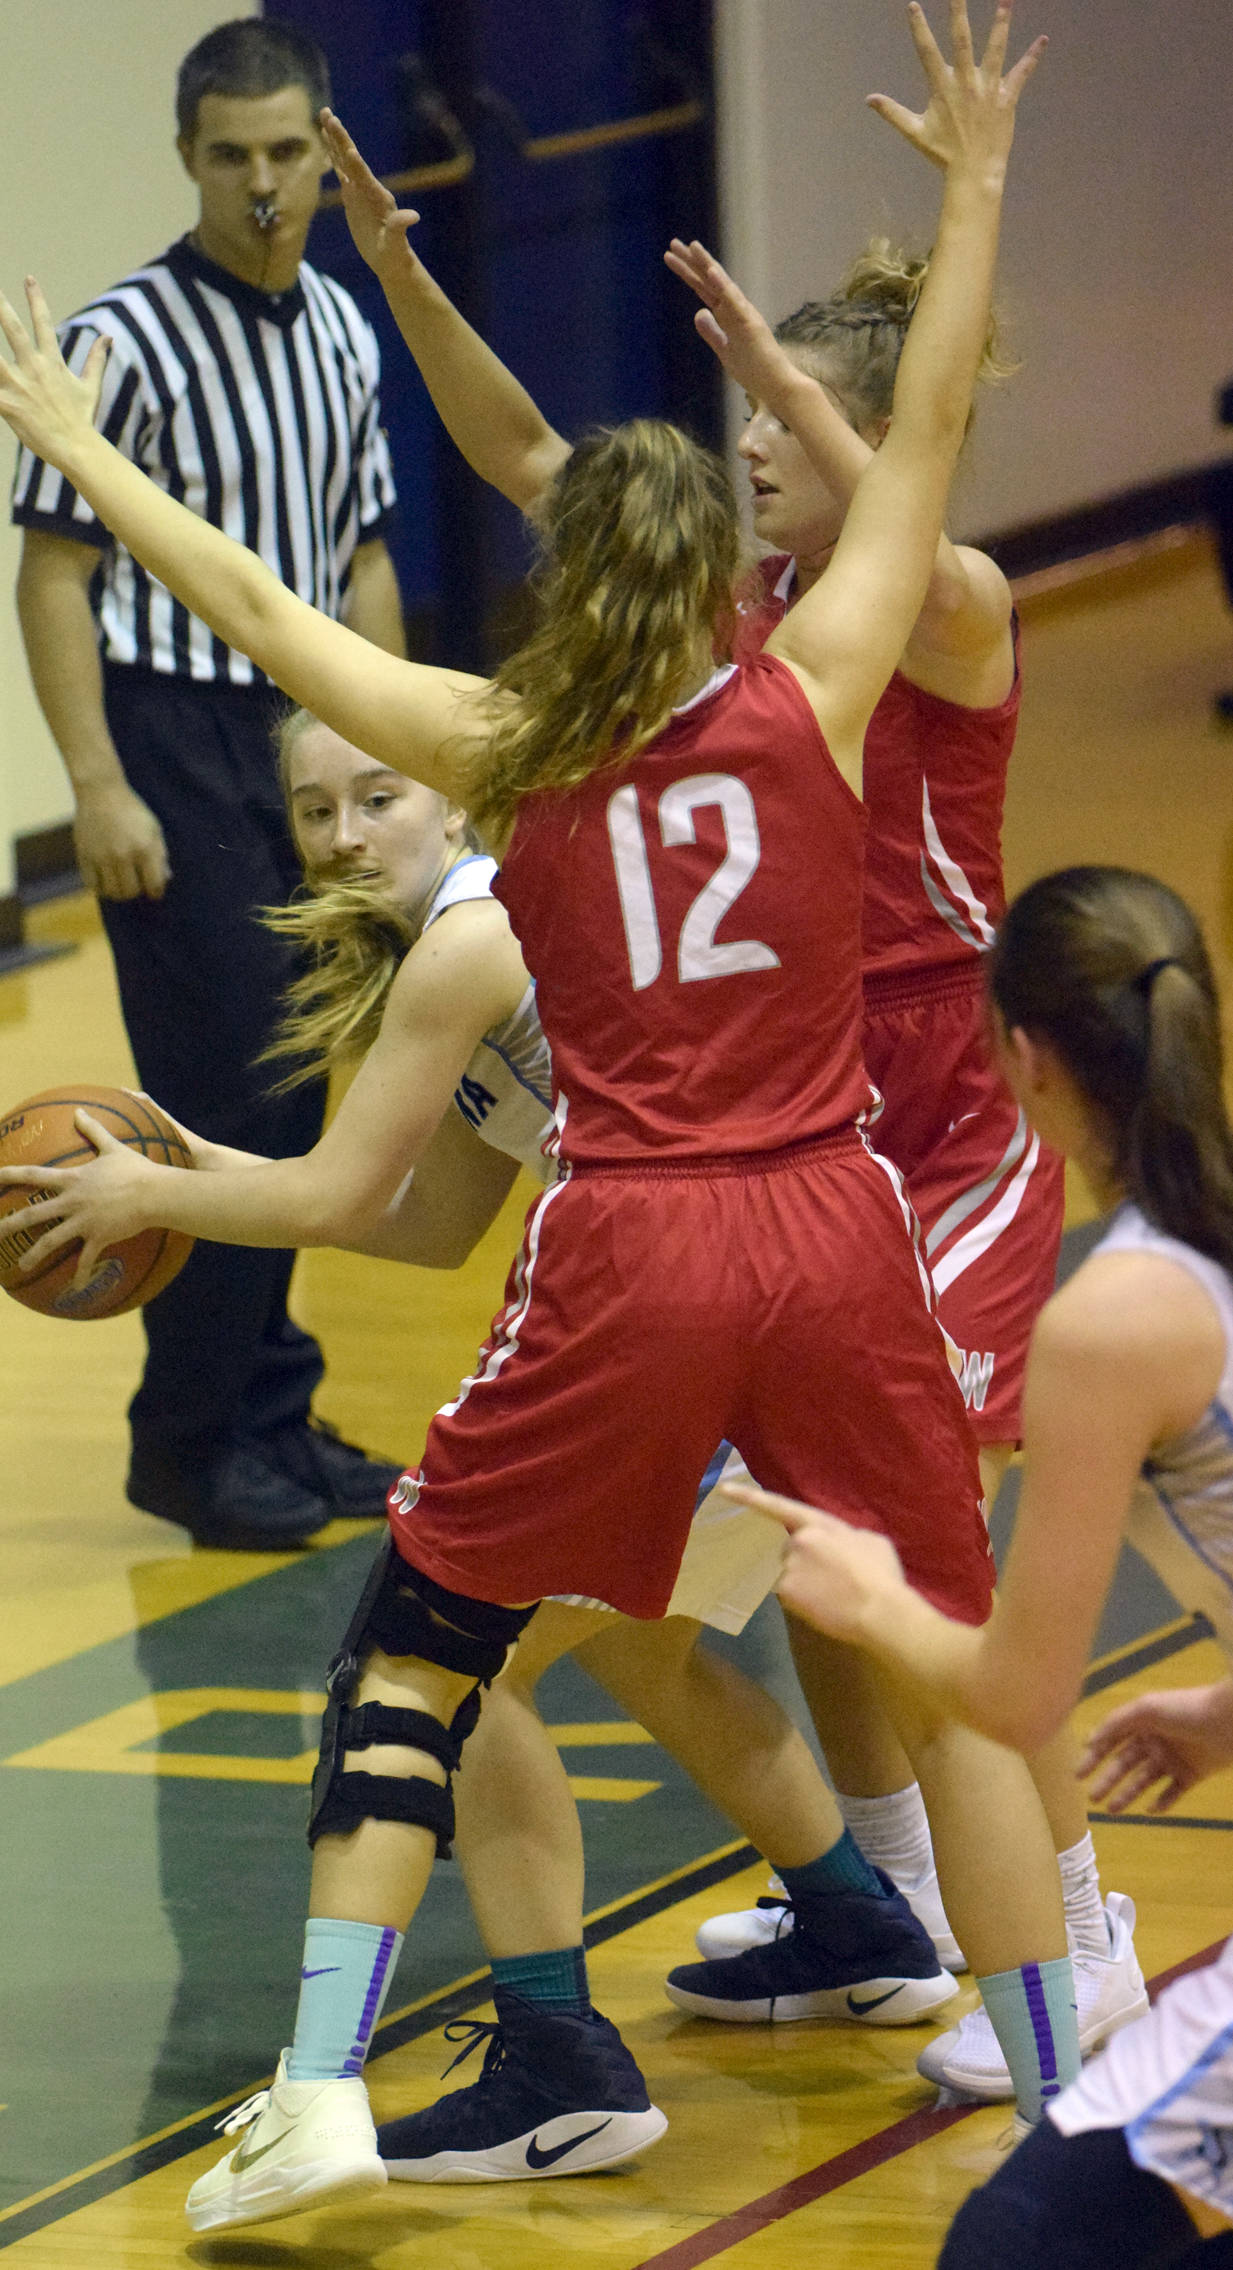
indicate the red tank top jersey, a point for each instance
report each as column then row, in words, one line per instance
column 692, row 921
column 934, row 787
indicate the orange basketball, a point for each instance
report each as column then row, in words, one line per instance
column 43, row 1132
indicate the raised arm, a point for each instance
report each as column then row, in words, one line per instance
column 965, row 615
column 496, row 425
column 844, row 637
column 421, row 721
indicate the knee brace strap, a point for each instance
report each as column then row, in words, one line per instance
column 413, row 1616
column 401, row 1612
column 341, row 1800
column 356, row 1797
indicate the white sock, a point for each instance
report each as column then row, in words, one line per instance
column 893, row 1834
column 1086, row 1927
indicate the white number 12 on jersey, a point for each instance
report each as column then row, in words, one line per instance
column 697, row 953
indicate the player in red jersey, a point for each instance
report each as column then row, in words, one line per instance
column 988, row 1197
column 757, row 1278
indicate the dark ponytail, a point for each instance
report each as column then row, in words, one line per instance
column 1110, row 967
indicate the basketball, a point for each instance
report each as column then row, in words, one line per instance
column 43, row 1132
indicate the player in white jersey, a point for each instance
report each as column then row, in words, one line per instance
column 1108, row 1030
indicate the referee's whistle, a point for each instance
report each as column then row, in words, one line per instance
column 265, row 213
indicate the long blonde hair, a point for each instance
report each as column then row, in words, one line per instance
column 642, row 543
column 353, row 940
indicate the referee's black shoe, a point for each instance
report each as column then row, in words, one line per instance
column 236, row 1500
column 313, row 1454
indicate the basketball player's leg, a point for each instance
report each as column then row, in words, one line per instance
column 402, row 1697
column 882, row 1429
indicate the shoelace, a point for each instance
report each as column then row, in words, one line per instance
column 250, row 2110
column 471, row 2032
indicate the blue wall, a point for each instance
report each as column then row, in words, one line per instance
column 558, row 264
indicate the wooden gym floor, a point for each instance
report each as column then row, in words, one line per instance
column 156, row 1702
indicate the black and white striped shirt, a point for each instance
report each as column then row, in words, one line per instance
column 259, row 411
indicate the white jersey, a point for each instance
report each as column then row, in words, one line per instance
column 1182, row 1518
column 505, row 1094
column 1167, row 2080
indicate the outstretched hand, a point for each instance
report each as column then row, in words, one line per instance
column 1174, row 1738
column 970, row 115
column 834, row 1576
column 731, row 324
column 378, row 224
column 101, row 1202
column 46, row 404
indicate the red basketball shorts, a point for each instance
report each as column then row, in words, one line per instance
column 987, row 1193
column 779, row 1303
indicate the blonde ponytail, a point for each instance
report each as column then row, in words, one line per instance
column 643, row 547
column 854, row 339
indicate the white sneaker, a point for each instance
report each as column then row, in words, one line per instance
column 723, row 1935
column 306, row 2142
column 967, row 2062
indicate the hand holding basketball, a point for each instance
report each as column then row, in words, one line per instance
column 80, row 1239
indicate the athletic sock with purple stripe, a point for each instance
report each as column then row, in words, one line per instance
column 1032, row 2012
column 343, row 1984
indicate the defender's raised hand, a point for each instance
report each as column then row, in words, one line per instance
column 46, row 404
column 731, row 325
column 378, row 224
column 970, row 115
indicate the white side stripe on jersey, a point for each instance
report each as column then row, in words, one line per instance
column 976, row 930
column 978, row 1240
column 968, row 1200
column 505, row 1334
column 908, row 1211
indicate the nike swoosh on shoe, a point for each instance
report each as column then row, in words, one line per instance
column 244, row 2160
column 859, row 2009
column 536, row 2158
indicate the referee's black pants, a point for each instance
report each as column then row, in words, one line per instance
column 199, row 982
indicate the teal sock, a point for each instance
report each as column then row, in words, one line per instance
column 1032, row 2012
column 555, row 1981
column 344, row 1981
column 843, row 1869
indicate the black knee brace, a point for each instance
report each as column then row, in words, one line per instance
column 404, row 1613
column 1070, row 2203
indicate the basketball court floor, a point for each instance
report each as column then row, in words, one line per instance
column 157, row 1703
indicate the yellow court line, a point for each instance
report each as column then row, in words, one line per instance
column 392, row 2018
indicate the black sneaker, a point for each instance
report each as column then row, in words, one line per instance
column 234, row 1500
column 557, row 2095
column 848, row 1956
column 314, row 1454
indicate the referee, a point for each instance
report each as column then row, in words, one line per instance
column 246, row 384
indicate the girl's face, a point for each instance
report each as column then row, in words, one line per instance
column 793, row 510
column 353, row 818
